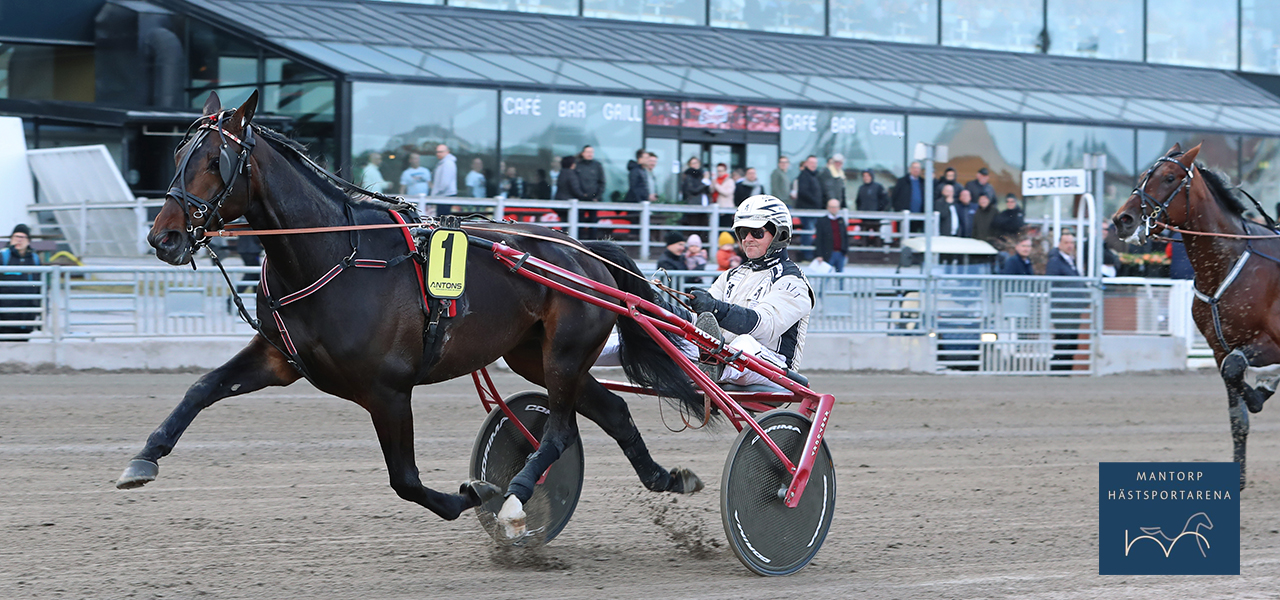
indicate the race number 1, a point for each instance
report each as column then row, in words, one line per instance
column 447, row 263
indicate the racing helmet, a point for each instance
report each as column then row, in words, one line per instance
column 763, row 210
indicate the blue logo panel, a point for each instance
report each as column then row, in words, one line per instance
column 1169, row 518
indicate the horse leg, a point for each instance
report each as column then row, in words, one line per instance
column 256, row 366
column 1234, row 366
column 392, row 414
column 611, row 413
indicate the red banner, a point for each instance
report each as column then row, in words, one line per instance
column 709, row 115
column 764, row 118
column 662, row 112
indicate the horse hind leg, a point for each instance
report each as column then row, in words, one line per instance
column 1233, row 369
column 611, row 413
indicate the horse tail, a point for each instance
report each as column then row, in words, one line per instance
column 644, row 361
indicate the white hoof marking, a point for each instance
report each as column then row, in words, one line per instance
column 512, row 518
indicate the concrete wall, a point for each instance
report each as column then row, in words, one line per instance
column 869, row 352
column 120, row 354
column 1134, row 353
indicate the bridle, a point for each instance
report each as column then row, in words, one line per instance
column 228, row 168
column 1159, row 211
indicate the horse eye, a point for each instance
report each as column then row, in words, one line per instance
column 1168, row 178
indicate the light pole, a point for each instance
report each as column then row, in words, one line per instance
column 927, row 154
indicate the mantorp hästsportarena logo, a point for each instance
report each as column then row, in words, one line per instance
column 1168, row 519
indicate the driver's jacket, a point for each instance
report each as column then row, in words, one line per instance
column 781, row 300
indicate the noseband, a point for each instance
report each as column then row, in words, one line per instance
column 1160, row 210
column 228, row 168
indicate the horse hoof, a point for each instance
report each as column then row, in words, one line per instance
column 479, row 492
column 512, row 518
column 139, row 473
column 684, row 481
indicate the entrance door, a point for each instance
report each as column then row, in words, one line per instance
column 732, row 155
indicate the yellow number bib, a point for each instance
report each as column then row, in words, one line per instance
column 447, row 263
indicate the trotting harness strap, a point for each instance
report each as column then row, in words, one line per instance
column 1212, row 301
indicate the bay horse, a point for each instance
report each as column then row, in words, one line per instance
column 1237, row 274
column 361, row 335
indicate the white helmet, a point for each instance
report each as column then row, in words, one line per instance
column 763, row 209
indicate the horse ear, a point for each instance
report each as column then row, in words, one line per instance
column 212, row 105
column 1189, row 158
column 244, row 115
column 1174, row 150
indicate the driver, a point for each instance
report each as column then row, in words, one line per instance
column 762, row 306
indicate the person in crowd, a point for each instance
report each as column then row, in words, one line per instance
column 590, row 175
column 650, row 175
column 18, row 254
column 908, row 193
column 475, row 181
column 445, row 180
column 947, row 176
column 951, row 221
column 416, row 179
column 966, row 207
column 568, row 188
column 1179, row 262
column 831, row 237
column 695, row 257
column 832, row 180
column 371, row 177
column 780, row 182
column 749, row 186
column 672, row 258
column 695, row 189
column 1009, row 222
column 982, row 218
column 871, row 197
column 638, row 189
column 1062, row 263
column 722, row 188
column 1019, row 263
column 512, row 184
column 981, row 184
column 808, row 196
column 726, row 248
column 555, row 177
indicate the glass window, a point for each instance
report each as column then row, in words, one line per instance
column 1096, row 28
column 553, row 7
column 908, row 21
column 679, row 12
column 783, row 16
column 41, row 72
column 1012, row 25
column 1260, row 31
column 668, row 167
column 395, row 119
column 1064, row 147
column 1258, row 173
column 538, row 129
column 971, row 145
column 764, row 159
column 1217, row 151
column 1192, row 33
column 215, row 59
column 867, row 140
column 286, row 69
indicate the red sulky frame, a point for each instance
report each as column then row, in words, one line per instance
column 655, row 320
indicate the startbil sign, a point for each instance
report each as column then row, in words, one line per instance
column 1052, row 183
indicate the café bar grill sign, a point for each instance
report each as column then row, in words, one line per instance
column 1063, row 182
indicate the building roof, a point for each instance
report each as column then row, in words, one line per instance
column 430, row 44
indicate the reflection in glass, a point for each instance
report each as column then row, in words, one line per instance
column 1096, row 28
column 668, row 151
column 1192, row 33
column 552, row 7
column 679, row 12
column 395, row 119
column 1259, row 174
column 1260, row 31
column 1218, row 151
column 215, row 59
column 907, row 21
column 1064, row 147
column 973, row 144
column 1012, row 25
column 867, row 140
column 539, row 128
column 783, row 16
column 764, row 159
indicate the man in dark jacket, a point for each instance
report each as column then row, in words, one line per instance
column 951, row 214
column 1020, row 262
column 590, row 175
column 695, row 189
column 982, row 219
column 808, row 196
column 871, row 197
column 908, row 194
column 981, row 185
column 672, row 258
column 831, row 236
column 1009, row 222
column 637, row 181
column 750, row 185
column 948, row 176
column 568, row 186
column 1062, row 263
column 832, row 180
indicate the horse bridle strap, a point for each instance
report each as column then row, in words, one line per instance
column 1161, row 209
column 228, row 169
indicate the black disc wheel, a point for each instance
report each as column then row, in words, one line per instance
column 768, row 537
column 499, row 454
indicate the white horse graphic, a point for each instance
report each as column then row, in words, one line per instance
column 1194, row 524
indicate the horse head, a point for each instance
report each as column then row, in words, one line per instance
column 1152, row 202
column 207, row 190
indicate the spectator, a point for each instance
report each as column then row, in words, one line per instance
column 808, row 196
column 831, row 237
column 540, row 188
column 832, row 181
column 445, row 181
column 981, row 185
column 651, row 180
column 722, row 187
column 1179, row 262
column 19, row 254
column 512, row 184
column 780, row 182
column 951, row 221
column 672, row 258
column 1009, row 222
column 569, row 187
column 908, row 194
column 416, row 179
column 638, row 189
column 475, row 179
column 1020, row 262
column 555, row 177
column 695, row 187
column 371, row 177
column 727, row 249
column 966, row 208
column 871, row 198
column 948, row 176
column 748, row 187
column 590, row 175
column 695, row 258
column 982, row 219
column 1062, row 261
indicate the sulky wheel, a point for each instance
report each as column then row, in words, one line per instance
column 768, row 537
column 499, row 454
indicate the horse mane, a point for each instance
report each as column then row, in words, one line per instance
column 1223, row 194
column 299, row 151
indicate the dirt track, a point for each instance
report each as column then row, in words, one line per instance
column 949, row 487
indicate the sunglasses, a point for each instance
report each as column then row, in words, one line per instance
column 757, row 233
